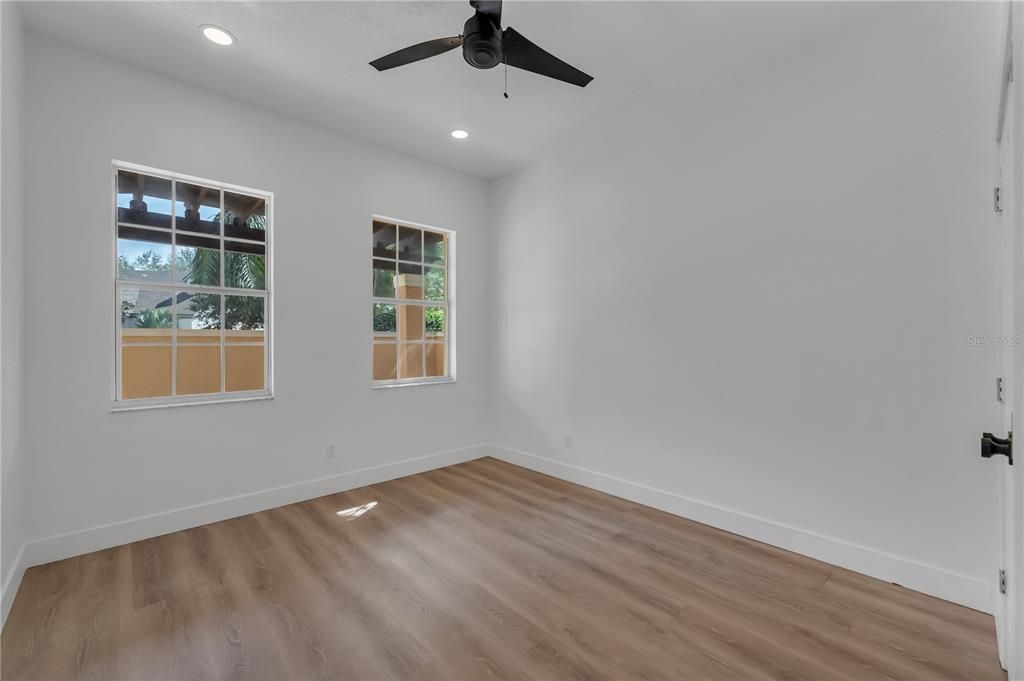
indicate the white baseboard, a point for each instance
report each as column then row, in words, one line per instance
column 49, row 549
column 999, row 614
column 927, row 579
column 12, row 580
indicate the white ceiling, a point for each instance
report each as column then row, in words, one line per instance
column 309, row 60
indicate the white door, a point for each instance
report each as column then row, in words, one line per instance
column 1009, row 606
column 1013, row 479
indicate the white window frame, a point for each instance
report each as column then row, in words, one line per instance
column 448, row 303
column 118, row 404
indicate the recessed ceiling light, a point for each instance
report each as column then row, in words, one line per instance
column 216, row 34
column 460, row 134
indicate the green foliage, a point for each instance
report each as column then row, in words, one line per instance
column 144, row 262
column 206, row 308
column 435, row 284
column 151, row 318
column 245, row 270
column 384, row 283
column 243, row 312
column 384, row 318
column 435, row 319
column 241, row 270
column 199, row 266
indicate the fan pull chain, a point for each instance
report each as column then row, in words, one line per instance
column 506, row 77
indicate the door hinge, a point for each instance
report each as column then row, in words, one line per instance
column 997, row 199
column 1002, row 582
column 1000, row 390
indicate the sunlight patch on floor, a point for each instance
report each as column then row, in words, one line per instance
column 356, row 511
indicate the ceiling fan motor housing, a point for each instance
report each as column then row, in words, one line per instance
column 481, row 42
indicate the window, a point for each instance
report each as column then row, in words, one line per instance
column 412, row 303
column 192, row 291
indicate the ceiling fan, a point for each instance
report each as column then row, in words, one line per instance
column 485, row 45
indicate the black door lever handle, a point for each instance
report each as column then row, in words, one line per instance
column 997, row 446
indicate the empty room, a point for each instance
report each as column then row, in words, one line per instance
column 471, row 340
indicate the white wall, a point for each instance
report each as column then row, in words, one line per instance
column 92, row 467
column 13, row 464
column 760, row 296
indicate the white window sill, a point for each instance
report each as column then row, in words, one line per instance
column 439, row 381
column 142, row 405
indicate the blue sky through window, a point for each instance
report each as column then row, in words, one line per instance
column 131, row 249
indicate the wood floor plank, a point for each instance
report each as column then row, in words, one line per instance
column 478, row 571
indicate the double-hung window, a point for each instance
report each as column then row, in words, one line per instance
column 412, row 303
column 192, row 291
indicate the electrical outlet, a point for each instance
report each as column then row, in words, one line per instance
column 567, row 441
column 331, row 451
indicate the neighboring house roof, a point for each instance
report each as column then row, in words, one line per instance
column 146, row 298
column 142, row 299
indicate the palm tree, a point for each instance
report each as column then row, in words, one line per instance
column 201, row 267
column 245, row 270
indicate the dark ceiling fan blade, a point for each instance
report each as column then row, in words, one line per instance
column 491, row 8
column 408, row 55
column 519, row 52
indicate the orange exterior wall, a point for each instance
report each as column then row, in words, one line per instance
column 146, row 362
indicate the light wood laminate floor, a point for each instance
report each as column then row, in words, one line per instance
column 475, row 572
